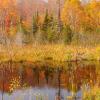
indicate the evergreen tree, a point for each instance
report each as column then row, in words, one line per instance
column 19, row 34
column 46, row 22
column 45, row 26
column 52, row 29
column 49, row 28
column 35, row 24
column 68, row 34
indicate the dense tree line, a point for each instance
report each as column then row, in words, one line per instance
column 80, row 23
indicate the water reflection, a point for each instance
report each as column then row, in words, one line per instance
column 63, row 82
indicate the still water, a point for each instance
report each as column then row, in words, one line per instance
column 47, row 81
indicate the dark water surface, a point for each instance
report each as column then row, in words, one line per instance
column 34, row 81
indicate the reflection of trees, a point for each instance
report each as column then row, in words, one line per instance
column 78, row 75
column 3, row 80
column 75, row 76
column 58, row 95
column 21, row 73
column 37, row 71
column 59, row 83
column 71, row 82
column 48, row 73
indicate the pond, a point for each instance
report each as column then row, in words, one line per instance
column 46, row 81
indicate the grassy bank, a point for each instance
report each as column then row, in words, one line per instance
column 49, row 52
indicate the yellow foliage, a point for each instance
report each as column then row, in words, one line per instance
column 12, row 31
column 7, row 3
column 93, row 9
column 72, row 13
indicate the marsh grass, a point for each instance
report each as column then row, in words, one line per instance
column 49, row 52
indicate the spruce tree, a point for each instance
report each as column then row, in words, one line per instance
column 68, row 34
column 35, row 24
column 51, row 29
column 45, row 26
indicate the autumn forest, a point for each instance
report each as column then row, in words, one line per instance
column 49, row 49
column 72, row 22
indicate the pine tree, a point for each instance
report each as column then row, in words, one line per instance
column 68, row 34
column 45, row 26
column 46, row 22
column 35, row 24
column 51, row 29
column 19, row 34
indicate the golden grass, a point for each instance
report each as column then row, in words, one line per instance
column 49, row 52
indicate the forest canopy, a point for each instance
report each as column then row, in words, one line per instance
column 73, row 21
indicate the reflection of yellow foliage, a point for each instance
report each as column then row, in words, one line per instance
column 14, row 84
column 94, row 92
